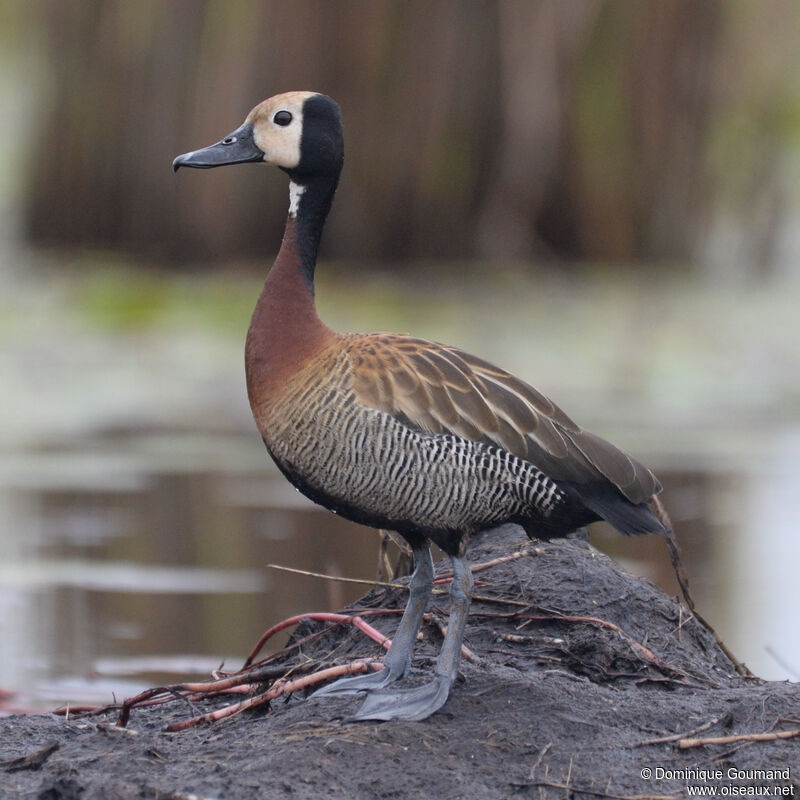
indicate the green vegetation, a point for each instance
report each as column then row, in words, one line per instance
column 125, row 299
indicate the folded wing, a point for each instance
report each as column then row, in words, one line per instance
column 440, row 389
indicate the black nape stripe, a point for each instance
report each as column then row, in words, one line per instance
column 321, row 160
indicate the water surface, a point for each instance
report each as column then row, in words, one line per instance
column 139, row 509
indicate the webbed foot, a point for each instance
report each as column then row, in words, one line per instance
column 354, row 684
column 407, row 704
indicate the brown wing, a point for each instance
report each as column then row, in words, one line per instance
column 441, row 389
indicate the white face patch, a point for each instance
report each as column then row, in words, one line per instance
column 279, row 143
column 295, row 193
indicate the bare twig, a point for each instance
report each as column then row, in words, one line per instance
column 245, row 677
column 527, row 549
column 444, row 577
column 32, row 761
column 442, row 628
column 320, row 617
column 338, row 578
column 276, row 690
column 676, row 736
column 542, row 754
column 645, row 652
column 685, row 744
column 683, row 582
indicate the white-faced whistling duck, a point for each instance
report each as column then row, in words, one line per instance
column 401, row 433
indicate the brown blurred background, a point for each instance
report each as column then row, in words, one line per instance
column 579, row 129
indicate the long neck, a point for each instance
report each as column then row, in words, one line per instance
column 309, row 204
column 285, row 330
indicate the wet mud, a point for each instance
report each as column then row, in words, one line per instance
column 582, row 669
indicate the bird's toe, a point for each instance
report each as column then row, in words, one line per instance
column 406, row 704
column 356, row 684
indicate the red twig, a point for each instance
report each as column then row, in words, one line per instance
column 234, row 683
column 277, row 689
column 243, row 680
column 316, row 635
column 648, row 654
column 465, row 651
column 447, row 574
column 359, row 623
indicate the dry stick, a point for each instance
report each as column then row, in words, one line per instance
column 445, row 577
column 278, row 688
column 503, row 601
column 448, row 573
column 465, row 651
column 215, row 687
column 356, row 620
column 164, row 694
column 91, row 711
column 542, row 754
column 644, row 651
column 516, row 638
column 648, row 654
column 65, row 711
column 478, row 598
column 343, row 579
column 312, row 636
column 320, row 617
column 142, row 698
column 676, row 736
column 361, row 612
column 362, row 581
column 683, row 582
column 230, row 684
column 177, row 691
column 338, row 578
column 685, row 744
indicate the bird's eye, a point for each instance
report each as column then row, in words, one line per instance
column 282, row 118
column 229, row 140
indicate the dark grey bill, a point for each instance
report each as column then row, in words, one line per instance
column 236, row 148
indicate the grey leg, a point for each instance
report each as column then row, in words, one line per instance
column 398, row 658
column 419, row 703
column 460, row 597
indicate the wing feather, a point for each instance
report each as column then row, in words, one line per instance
column 440, row 389
column 443, row 408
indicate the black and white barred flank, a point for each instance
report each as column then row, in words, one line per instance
column 373, row 468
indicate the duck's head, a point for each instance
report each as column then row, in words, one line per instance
column 300, row 132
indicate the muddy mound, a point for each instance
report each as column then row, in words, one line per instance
column 582, row 679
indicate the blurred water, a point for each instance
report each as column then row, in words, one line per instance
column 117, row 572
column 138, row 507
column 125, row 572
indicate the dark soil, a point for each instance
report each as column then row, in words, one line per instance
column 554, row 703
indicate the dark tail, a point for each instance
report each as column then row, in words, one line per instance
column 629, row 518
